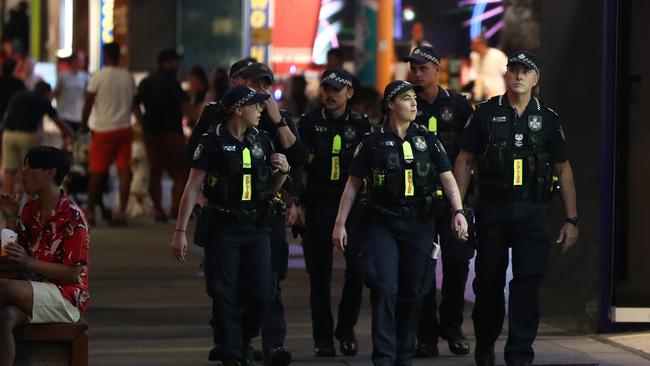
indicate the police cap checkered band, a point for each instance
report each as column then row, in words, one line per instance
column 424, row 54
column 399, row 86
column 338, row 78
column 529, row 60
column 240, row 95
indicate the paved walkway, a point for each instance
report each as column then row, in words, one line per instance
column 148, row 309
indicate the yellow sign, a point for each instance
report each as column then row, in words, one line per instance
column 336, row 169
column 518, row 172
column 261, row 35
column 246, row 188
column 409, row 189
column 433, row 125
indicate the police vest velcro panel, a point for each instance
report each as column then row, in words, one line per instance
column 239, row 177
column 516, row 163
column 332, row 153
column 402, row 171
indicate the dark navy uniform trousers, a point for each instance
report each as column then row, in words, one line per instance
column 396, row 263
column 455, row 267
column 274, row 327
column 318, row 249
column 237, row 268
column 522, row 226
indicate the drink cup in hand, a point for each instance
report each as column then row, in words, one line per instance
column 6, row 236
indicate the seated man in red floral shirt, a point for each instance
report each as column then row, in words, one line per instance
column 52, row 249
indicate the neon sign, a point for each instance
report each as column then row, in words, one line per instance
column 258, row 19
column 107, row 21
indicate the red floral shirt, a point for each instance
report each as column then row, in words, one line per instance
column 61, row 238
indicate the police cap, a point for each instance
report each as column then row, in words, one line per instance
column 528, row 59
column 240, row 95
column 337, row 78
column 258, row 71
column 423, row 54
column 238, row 67
column 398, row 87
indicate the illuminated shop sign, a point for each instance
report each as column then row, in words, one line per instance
column 260, row 31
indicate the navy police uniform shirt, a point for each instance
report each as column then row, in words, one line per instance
column 362, row 163
column 319, row 131
column 206, row 154
column 498, row 110
column 445, row 118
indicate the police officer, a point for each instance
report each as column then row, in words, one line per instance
column 444, row 114
column 516, row 144
column 331, row 135
column 402, row 162
column 239, row 172
column 279, row 125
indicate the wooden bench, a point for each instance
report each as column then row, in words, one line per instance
column 52, row 344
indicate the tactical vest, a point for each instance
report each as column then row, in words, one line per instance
column 516, row 165
column 333, row 152
column 403, row 174
column 240, row 178
column 443, row 126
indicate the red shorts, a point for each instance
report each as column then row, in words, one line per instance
column 109, row 146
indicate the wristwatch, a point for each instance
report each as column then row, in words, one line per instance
column 572, row 220
column 282, row 123
column 460, row 211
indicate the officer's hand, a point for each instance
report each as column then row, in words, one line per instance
column 340, row 237
column 459, row 227
column 272, row 107
column 179, row 245
column 295, row 217
column 568, row 235
column 279, row 163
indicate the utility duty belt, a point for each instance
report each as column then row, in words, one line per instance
column 419, row 210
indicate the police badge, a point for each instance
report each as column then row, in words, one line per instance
column 519, row 138
column 420, row 143
column 257, row 151
column 535, row 123
column 197, row 152
column 447, row 114
column 349, row 133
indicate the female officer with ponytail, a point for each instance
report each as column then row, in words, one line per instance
column 401, row 163
column 239, row 172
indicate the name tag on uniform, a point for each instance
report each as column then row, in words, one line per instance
column 499, row 119
column 409, row 189
column 518, row 171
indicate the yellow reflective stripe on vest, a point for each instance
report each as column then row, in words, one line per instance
column 336, row 169
column 408, row 151
column 518, row 172
column 246, row 158
column 433, row 125
column 336, row 144
column 409, row 189
column 246, row 192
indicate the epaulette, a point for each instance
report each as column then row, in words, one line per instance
column 554, row 112
column 422, row 128
column 213, row 128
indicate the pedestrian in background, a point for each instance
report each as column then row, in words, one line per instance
column 111, row 93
